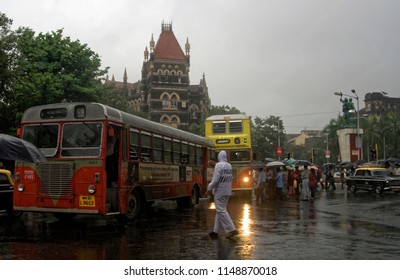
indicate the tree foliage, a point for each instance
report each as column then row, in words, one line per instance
column 266, row 135
column 44, row 68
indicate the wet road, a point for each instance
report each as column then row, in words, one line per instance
column 336, row 225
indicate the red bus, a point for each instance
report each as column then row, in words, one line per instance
column 104, row 161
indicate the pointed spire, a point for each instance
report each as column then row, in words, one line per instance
column 187, row 47
column 146, row 54
column 151, row 44
column 113, row 79
column 125, row 76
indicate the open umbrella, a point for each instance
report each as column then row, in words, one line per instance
column 13, row 148
column 257, row 164
column 275, row 164
column 302, row 162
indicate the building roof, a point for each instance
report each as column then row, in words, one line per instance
column 167, row 46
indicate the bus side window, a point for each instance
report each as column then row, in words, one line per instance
column 145, row 151
column 199, row 155
column 177, row 152
column 158, row 147
column 185, row 153
column 134, row 145
column 167, row 150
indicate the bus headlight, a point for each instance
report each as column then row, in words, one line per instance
column 91, row 189
column 21, row 188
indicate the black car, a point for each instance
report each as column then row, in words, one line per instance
column 373, row 179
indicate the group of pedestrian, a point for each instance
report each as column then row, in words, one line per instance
column 270, row 184
column 283, row 182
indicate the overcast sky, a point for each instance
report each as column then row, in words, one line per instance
column 268, row 57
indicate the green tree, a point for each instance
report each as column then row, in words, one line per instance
column 8, row 55
column 332, row 138
column 265, row 134
column 371, row 135
column 45, row 68
column 391, row 132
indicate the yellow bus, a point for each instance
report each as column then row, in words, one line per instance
column 104, row 161
column 231, row 133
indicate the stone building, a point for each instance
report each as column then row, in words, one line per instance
column 379, row 104
column 164, row 92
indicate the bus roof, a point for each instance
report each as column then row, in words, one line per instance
column 228, row 117
column 97, row 111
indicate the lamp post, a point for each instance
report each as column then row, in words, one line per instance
column 358, row 144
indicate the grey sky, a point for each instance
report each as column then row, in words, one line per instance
column 269, row 57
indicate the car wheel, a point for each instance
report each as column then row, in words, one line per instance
column 353, row 188
column 379, row 189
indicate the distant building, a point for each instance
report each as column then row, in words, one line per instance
column 164, row 92
column 379, row 104
column 300, row 139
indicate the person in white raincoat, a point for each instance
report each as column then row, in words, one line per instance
column 221, row 187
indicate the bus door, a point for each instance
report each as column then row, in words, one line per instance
column 112, row 167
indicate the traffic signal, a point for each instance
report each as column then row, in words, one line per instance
column 373, row 153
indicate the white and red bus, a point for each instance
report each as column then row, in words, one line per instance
column 104, row 161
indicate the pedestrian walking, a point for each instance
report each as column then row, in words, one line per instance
column 221, row 187
column 305, row 188
column 280, row 185
column 261, row 185
column 312, row 182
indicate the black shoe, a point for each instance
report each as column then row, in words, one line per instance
column 232, row 234
column 213, row 235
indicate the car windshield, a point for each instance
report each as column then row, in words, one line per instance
column 381, row 173
column 43, row 136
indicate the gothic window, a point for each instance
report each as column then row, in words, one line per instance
column 165, row 120
column 193, row 111
column 166, row 103
column 174, row 101
column 174, row 121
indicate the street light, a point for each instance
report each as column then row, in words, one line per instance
column 358, row 144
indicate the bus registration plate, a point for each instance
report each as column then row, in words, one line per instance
column 87, row 201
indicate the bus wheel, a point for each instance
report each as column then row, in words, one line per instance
column 135, row 205
column 195, row 196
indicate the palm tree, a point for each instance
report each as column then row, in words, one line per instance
column 331, row 129
column 371, row 133
column 391, row 128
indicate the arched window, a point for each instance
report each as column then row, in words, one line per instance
column 166, row 103
column 165, row 120
column 174, row 121
column 174, row 101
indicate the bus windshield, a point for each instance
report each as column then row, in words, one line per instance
column 81, row 140
column 239, row 156
column 44, row 137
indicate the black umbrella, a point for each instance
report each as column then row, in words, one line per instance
column 13, row 148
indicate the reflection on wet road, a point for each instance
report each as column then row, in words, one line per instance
column 336, row 225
